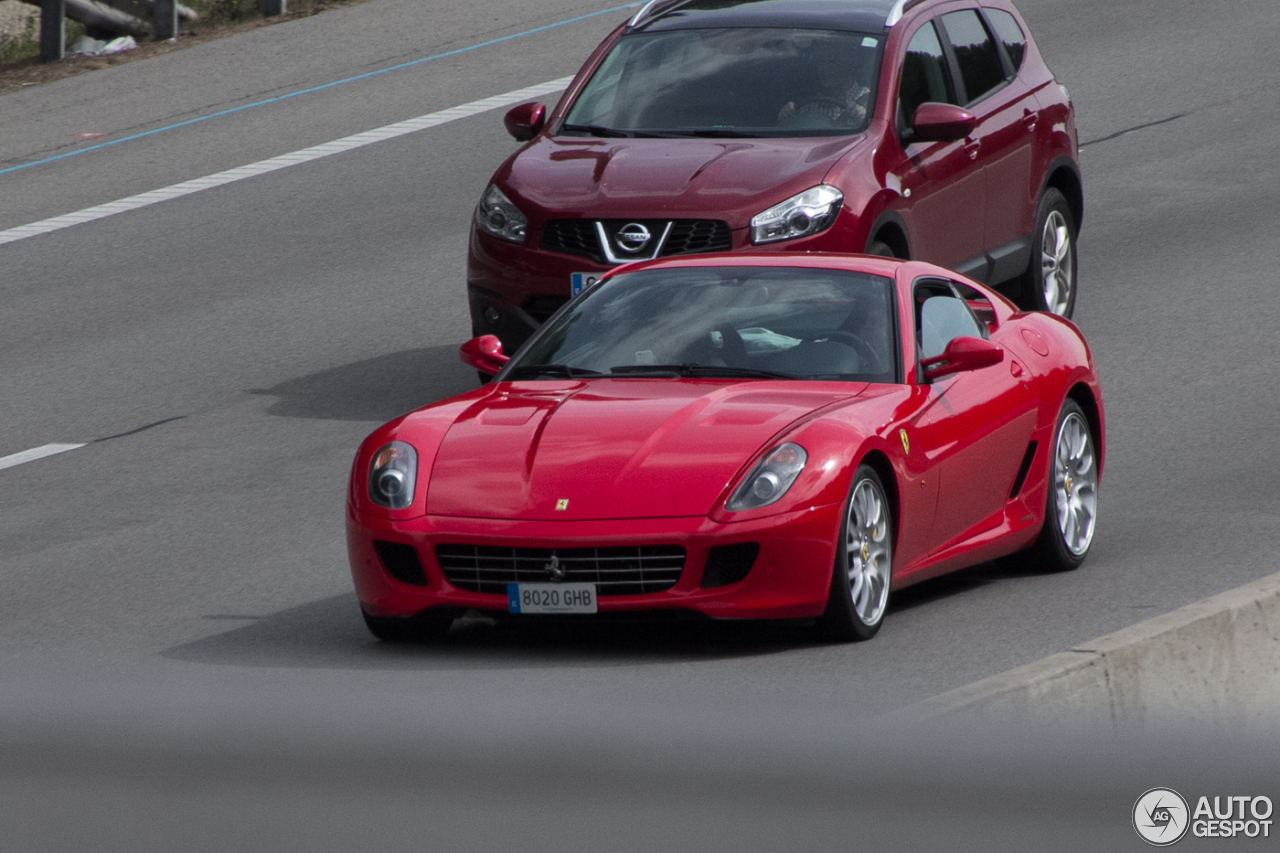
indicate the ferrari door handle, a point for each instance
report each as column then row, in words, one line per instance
column 1029, row 119
column 972, row 149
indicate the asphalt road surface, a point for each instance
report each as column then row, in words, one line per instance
column 221, row 354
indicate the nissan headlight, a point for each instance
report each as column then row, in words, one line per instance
column 799, row 216
column 392, row 475
column 770, row 479
column 496, row 215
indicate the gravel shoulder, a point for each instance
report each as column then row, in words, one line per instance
column 25, row 73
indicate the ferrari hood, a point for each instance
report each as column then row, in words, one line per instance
column 604, row 449
column 607, row 178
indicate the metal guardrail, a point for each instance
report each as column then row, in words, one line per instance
column 164, row 20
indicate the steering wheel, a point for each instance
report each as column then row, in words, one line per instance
column 799, row 112
column 824, row 99
column 869, row 360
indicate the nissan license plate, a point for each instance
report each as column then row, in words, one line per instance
column 580, row 281
column 551, row 597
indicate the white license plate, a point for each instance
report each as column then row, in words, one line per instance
column 551, row 597
column 580, row 281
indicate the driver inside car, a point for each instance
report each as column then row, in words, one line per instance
column 840, row 99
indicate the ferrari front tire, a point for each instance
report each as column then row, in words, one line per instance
column 1071, row 509
column 860, row 580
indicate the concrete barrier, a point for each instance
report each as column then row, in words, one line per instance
column 1214, row 664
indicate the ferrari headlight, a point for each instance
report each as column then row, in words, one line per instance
column 799, row 216
column 392, row 475
column 496, row 215
column 770, row 479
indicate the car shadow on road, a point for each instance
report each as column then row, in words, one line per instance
column 965, row 580
column 376, row 389
column 329, row 634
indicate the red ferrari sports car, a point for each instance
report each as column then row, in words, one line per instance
column 744, row 437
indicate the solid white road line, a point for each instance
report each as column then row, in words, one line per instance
column 284, row 161
column 35, row 453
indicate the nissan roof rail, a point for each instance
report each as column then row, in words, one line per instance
column 656, row 6
column 895, row 13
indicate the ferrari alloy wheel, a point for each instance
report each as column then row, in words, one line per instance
column 1050, row 282
column 1075, row 483
column 1071, row 511
column 864, row 563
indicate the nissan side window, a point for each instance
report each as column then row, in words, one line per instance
column 924, row 76
column 980, row 68
column 1009, row 34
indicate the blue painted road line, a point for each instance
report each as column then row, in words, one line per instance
column 279, row 98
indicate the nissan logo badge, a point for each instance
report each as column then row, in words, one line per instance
column 632, row 237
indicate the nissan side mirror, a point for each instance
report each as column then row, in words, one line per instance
column 484, row 354
column 524, row 121
column 941, row 123
column 962, row 354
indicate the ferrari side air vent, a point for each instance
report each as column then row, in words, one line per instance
column 728, row 564
column 401, row 562
column 1023, row 470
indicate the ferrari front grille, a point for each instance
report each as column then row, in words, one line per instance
column 614, row 570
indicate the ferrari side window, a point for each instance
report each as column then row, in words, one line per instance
column 979, row 304
column 940, row 317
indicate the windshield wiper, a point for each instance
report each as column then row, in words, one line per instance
column 601, row 130
column 708, row 370
column 715, row 133
column 526, row 370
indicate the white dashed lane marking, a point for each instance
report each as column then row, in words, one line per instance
column 35, row 453
column 283, row 161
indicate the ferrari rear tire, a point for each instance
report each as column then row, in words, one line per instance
column 1071, row 510
column 425, row 627
column 860, row 580
column 1050, row 281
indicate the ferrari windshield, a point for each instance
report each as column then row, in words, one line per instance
column 746, row 82
column 733, row 322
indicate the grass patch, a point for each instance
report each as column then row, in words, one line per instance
column 15, row 46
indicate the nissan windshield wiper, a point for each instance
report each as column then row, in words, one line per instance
column 601, row 130
column 715, row 133
column 707, row 370
column 527, row 370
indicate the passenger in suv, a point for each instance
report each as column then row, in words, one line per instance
column 922, row 129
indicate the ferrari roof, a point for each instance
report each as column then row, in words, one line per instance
column 866, row 16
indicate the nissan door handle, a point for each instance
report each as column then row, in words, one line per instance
column 972, row 149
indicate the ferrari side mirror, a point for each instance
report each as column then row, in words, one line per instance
column 484, row 354
column 962, row 354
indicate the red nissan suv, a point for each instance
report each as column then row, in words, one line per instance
column 922, row 129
